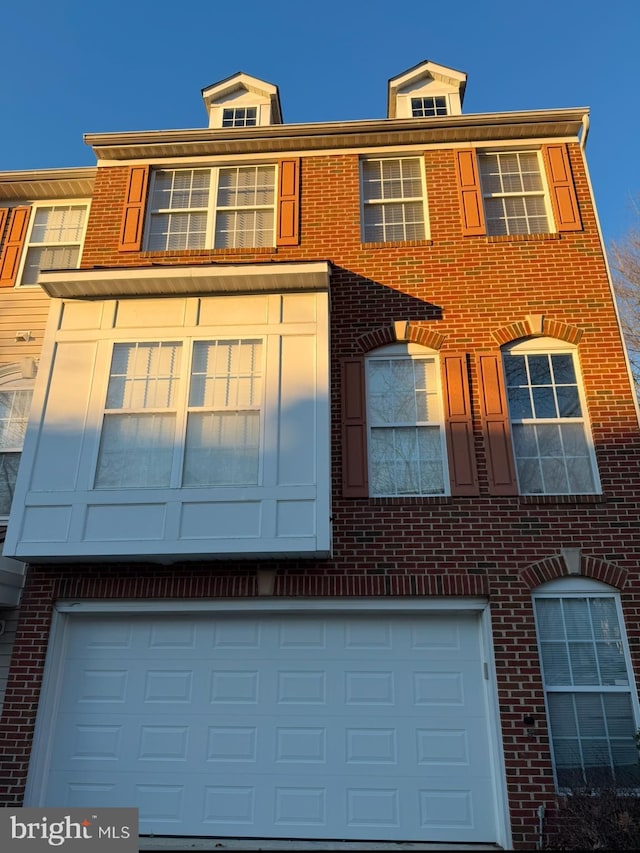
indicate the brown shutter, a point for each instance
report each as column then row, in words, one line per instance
column 12, row 246
column 288, row 228
column 459, row 426
column 355, row 481
column 134, row 206
column 496, row 427
column 470, row 193
column 561, row 188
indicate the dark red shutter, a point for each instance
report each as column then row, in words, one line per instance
column 134, row 207
column 469, row 193
column 13, row 245
column 463, row 474
column 355, row 480
column 561, row 188
column 288, row 228
column 496, row 426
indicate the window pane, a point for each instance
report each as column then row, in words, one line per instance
column 136, row 450
column 222, row 448
column 14, row 414
column 529, row 476
column 144, row 376
column 9, row 463
column 226, row 374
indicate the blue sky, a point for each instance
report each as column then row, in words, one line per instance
column 72, row 67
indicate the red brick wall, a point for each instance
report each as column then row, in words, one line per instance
column 465, row 289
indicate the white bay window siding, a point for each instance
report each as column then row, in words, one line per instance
column 393, row 200
column 589, row 692
column 181, row 426
column 551, row 436
column 229, row 207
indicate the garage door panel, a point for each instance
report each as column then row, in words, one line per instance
column 334, row 726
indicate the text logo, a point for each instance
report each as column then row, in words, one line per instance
column 74, row 830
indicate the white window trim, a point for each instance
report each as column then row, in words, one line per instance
column 422, row 199
column 581, row 587
column 433, row 98
column 212, row 209
column 181, row 409
column 546, row 345
column 403, row 351
column 71, row 202
column 234, row 114
column 544, row 193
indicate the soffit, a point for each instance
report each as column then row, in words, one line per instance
column 47, row 183
column 187, row 280
column 481, row 127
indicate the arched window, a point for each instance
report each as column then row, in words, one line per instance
column 406, row 440
column 551, row 436
column 592, row 705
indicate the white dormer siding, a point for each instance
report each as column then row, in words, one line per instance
column 427, row 90
column 242, row 101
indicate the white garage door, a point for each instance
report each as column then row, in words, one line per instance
column 250, row 725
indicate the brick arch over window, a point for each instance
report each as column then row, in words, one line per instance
column 403, row 332
column 589, row 567
column 537, row 325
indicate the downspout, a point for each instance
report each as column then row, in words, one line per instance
column 585, row 131
column 541, row 812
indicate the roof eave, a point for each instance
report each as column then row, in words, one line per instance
column 318, row 136
column 47, row 183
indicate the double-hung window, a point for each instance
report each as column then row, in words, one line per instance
column 551, row 436
column 14, row 414
column 404, row 417
column 148, row 441
column 590, row 699
column 55, row 239
column 393, row 199
column 514, row 192
column 230, row 207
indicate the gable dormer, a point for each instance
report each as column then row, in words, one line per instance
column 427, row 90
column 242, row 101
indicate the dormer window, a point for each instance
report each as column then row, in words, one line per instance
column 240, row 117
column 425, row 91
column 429, row 107
column 242, row 101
